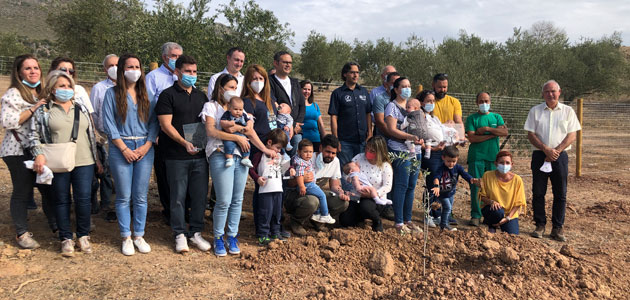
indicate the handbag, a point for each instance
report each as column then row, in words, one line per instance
column 60, row 156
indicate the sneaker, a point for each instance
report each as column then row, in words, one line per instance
column 200, row 242
column 289, row 147
column 264, row 241
column 219, row 246
column 246, row 162
column 316, row 217
column 233, row 245
column 538, row 232
column 26, row 241
column 127, row 247
column 402, row 229
column 377, row 226
column 285, row 234
column 558, row 235
column 142, row 245
column 297, row 228
column 492, row 229
column 452, row 220
column 327, row 219
column 67, row 248
column 229, row 162
column 180, row 243
column 111, row 217
column 277, row 237
column 429, row 221
column 414, row 228
column 474, row 222
column 84, row 244
column 448, row 227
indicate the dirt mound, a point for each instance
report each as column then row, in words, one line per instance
column 361, row 264
column 611, row 208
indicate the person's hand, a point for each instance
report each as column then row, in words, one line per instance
column 298, row 128
column 270, row 153
column 302, row 190
column 476, row 181
column 243, row 143
column 129, row 155
column 503, row 221
column 436, row 191
column 157, row 138
column 481, row 130
column 441, row 146
column 343, row 196
column 191, row 149
column 551, row 153
column 495, row 205
column 39, row 163
column 142, row 151
column 418, row 141
column 308, row 177
column 38, row 104
column 261, row 181
column 292, row 173
column 99, row 167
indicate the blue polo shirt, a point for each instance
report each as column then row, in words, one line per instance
column 351, row 108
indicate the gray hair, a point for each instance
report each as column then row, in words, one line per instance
column 108, row 57
column 550, row 82
column 168, row 46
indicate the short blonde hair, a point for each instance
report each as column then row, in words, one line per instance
column 48, row 92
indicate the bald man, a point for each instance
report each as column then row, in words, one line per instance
column 383, row 88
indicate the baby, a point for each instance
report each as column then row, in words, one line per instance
column 234, row 116
column 360, row 183
column 414, row 123
column 285, row 122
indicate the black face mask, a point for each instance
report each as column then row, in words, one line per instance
column 440, row 95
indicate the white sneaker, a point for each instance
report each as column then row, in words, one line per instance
column 142, row 245
column 181, row 245
column 429, row 221
column 327, row 219
column 229, row 162
column 127, row 247
column 199, row 242
column 316, row 217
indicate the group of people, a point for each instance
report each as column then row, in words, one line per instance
column 268, row 126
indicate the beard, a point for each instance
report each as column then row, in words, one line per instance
column 327, row 160
column 440, row 95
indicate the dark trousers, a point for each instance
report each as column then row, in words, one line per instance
column 187, row 177
column 357, row 212
column 301, row 208
column 102, row 183
column 159, row 166
column 80, row 178
column 491, row 217
column 268, row 213
column 558, row 177
column 23, row 181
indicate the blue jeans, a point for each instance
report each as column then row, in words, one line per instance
column 81, row 180
column 229, row 146
column 405, row 180
column 132, row 184
column 447, row 207
column 313, row 189
column 349, row 150
column 432, row 165
column 297, row 138
column 491, row 217
column 229, row 185
column 190, row 177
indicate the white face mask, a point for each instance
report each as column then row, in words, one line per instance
column 257, row 86
column 133, row 75
column 112, row 72
column 227, row 95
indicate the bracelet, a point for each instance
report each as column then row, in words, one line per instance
column 32, row 112
column 123, row 151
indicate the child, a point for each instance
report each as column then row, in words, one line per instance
column 414, row 123
column 361, row 183
column 445, row 183
column 285, row 121
column 234, row 116
column 268, row 174
column 302, row 164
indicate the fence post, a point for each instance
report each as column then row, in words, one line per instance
column 578, row 148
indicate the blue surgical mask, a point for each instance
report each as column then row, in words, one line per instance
column 503, row 169
column 429, row 107
column 171, row 63
column 31, row 85
column 63, row 95
column 484, row 107
column 405, row 93
column 188, row 80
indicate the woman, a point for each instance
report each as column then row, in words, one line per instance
column 53, row 123
column 503, row 195
column 375, row 165
column 131, row 125
column 18, row 105
column 67, row 65
column 405, row 167
column 229, row 183
column 257, row 101
column 313, row 128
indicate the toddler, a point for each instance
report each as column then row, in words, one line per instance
column 234, row 116
column 302, row 164
column 285, row 122
column 360, row 183
column 414, row 123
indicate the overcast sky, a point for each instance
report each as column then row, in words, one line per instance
column 434, row 20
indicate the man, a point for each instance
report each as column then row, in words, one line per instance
column 551, row 128
column 157, row 81
column 349, row 110
column 186, row 166
column 235, row 57
column 96, row 98
column 384, row 88
column 483, row 129
column 287, row 90
column 448, row 109
column 379, row 103
column 325, row 166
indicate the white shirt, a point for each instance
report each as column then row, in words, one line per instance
column 381, row 178
column 159, row 80
column 323, row 170
column 213, row 110
column 81, row 96
column 213, row 79
column 551, row 126
column 96, row 98
column 434, row 126
column 286, row 84
column 272, row 171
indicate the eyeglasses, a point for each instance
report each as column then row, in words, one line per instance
column 287, row 62
column 71, row 71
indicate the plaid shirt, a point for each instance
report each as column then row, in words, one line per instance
column 301, row 166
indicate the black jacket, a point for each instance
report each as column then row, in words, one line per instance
column 281, row 96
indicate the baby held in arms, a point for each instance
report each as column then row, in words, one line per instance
column 361, row 184
column 284, row 121
column 414, row 123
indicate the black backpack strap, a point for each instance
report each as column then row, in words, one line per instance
column 75, row 125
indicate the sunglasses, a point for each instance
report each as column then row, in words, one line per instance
column 71, row 71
